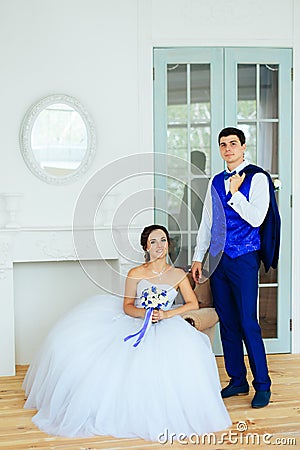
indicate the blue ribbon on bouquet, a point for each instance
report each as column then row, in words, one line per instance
column 146, row 325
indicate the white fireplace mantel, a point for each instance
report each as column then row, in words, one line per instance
column 39, row 245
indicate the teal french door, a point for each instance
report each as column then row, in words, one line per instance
column 197, row 92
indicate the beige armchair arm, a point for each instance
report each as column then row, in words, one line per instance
column 205, row 318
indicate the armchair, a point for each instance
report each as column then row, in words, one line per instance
column 205, row 318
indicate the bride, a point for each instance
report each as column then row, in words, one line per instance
column 131, row 368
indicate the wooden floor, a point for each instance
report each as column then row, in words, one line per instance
column 277, row 425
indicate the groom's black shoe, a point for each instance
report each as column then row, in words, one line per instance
column 261, row 399
column 230, row 390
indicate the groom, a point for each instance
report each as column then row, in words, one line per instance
column 241, row 196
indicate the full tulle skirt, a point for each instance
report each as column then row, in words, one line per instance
column 85, row 380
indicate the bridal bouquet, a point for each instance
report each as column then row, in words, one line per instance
column 152, row 298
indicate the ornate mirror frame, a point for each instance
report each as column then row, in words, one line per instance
column 26, row 131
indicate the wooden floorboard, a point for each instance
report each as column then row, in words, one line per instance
column 277, row 425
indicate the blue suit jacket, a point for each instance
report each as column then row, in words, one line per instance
column 270, row 228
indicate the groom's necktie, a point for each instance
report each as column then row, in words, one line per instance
column 228, row 174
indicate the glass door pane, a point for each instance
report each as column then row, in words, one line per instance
column 188, row 138
column 188, row 143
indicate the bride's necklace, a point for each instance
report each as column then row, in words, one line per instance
column 159, row 274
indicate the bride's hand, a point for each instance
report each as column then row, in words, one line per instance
column 159, row 315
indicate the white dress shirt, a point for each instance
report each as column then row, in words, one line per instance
column 253, row 211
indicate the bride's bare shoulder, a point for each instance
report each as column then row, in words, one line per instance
column 137, row 272
column 179, row 274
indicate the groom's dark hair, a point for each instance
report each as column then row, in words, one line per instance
column 146, row 232
column 231, row 130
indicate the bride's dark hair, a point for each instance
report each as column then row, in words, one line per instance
column 147, row 230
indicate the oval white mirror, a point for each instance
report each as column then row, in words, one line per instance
column 57, row 139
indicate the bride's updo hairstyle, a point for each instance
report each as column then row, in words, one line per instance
column 145, row 234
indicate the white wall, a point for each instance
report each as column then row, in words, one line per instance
column 100, row 51
column 296, row 188
column 84, row 48
column 222, row 22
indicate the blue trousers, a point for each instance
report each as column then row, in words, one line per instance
column 234, row 284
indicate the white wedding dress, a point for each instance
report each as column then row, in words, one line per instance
column 87, row 381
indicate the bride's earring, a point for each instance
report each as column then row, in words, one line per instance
column 147, row 256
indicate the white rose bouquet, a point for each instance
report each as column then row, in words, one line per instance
column 152, row 298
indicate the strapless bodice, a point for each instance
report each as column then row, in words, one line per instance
column 147, row 285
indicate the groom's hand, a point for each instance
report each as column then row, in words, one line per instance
column 196, row 271
column 235, row 182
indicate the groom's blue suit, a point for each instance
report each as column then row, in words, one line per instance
column 236, row 250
